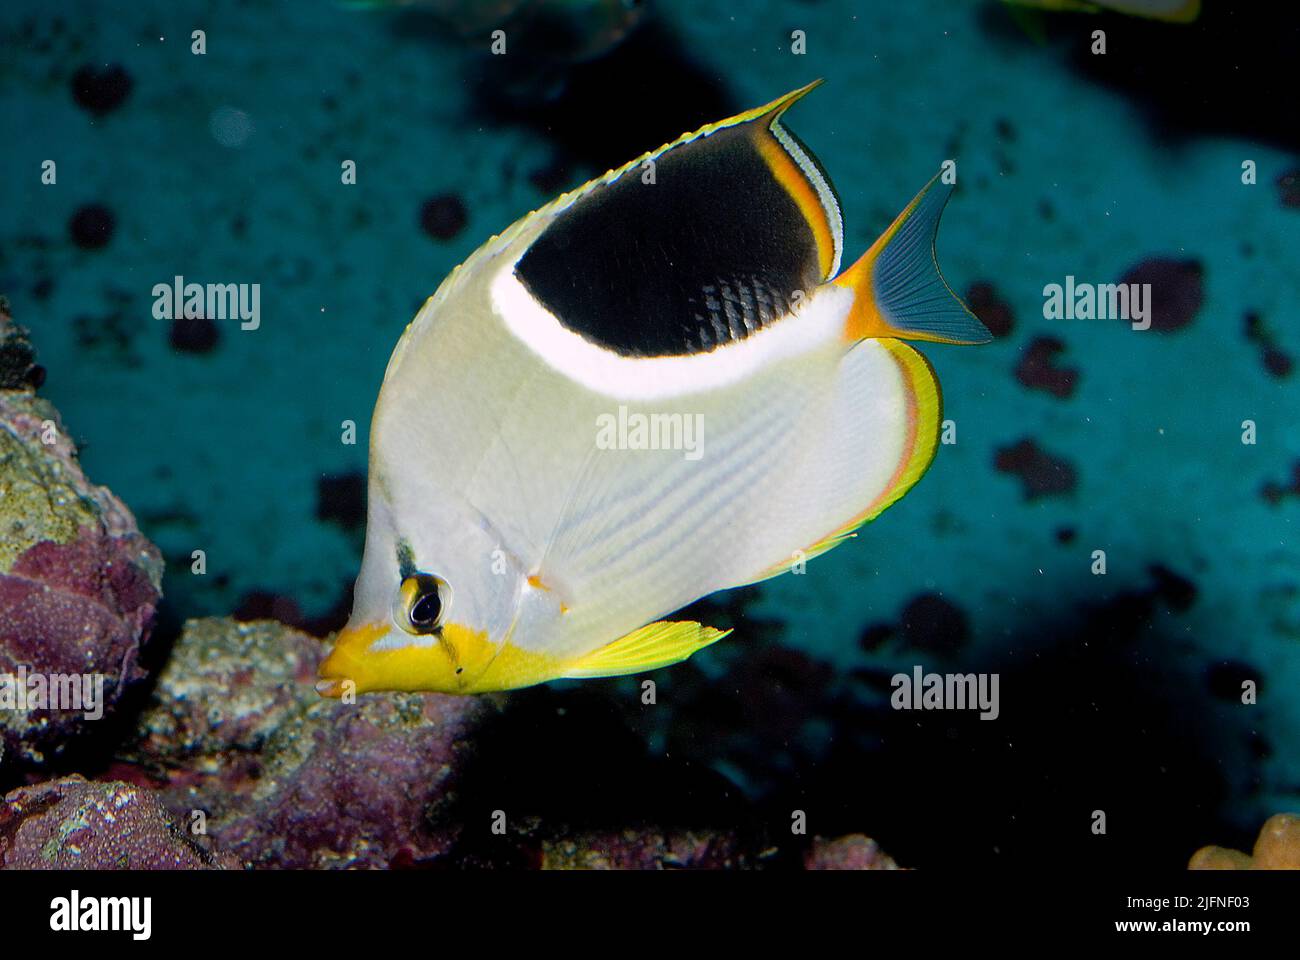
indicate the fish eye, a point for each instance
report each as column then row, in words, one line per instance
column 422, row 602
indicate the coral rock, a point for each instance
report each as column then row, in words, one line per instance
column 226, row 687
column 643, row 850
column 18, row 367
column 1277, row 848
column 73, row 823
column 78, row 582
column 854, row 852
column 235, row 729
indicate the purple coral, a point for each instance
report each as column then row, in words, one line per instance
column 78, row 582
column 73, row 823
column 286, row 779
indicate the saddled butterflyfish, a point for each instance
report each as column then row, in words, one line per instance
column 658, row 386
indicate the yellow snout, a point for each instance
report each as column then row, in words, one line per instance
column 450, row 661
column 457, row 659
column 347, row 662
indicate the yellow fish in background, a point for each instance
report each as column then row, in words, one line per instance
column 522, row 527
column 1173, row 11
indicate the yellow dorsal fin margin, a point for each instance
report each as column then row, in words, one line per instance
column 771, row 111
column 774, row 109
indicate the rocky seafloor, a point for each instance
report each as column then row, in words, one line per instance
column 208, row 748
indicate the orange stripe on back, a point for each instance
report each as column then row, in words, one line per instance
column 796, row 183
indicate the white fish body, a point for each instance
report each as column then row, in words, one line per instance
column 500, row 472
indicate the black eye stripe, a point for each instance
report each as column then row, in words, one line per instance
column 405, row 560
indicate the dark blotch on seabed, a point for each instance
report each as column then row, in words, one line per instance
column 1178, row 591
column 875, row 636
column 1276, row 360
column 341, row 499
column 933, row 624
column 101, row 91
column 1288, row 189
column 443, row 217
column 266, row 605
column 91, row 227
column 994, row 312
column 551, row 179
column 1037, row 368
column 1041, row 473
column 929, row 623
column 1177, row 290
column 1226, row 678
column 194, row 335
column 652, row 68
column 1274, row 492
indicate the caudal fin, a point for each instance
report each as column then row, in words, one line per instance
column 899, row 289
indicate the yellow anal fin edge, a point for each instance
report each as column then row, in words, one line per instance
column 924, row 415
column 655, row 645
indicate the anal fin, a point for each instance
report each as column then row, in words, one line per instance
column 655, row 645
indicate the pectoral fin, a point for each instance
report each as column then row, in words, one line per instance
column 655, row 645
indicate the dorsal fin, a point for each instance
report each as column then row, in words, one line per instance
column 699, row 244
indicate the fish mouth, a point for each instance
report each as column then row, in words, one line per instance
column 344, row 668
column 332, row 689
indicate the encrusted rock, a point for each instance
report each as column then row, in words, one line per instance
column 78, row 582
column 72, row 823
column 236, row 730
column 853, row 852
column 1276, row 848
column 644, row 850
